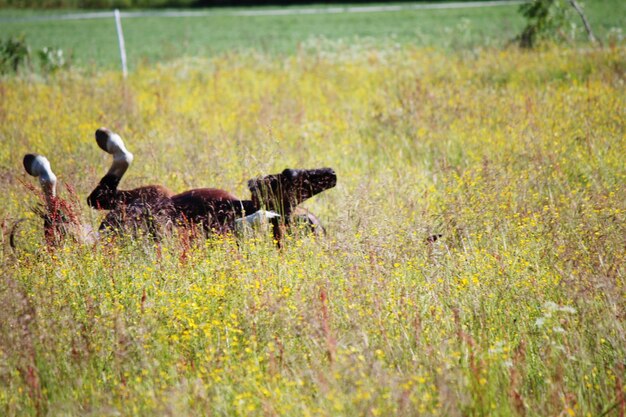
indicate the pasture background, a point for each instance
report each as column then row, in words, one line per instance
column 93, row 43
column 515, row 157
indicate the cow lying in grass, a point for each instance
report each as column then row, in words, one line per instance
column 156, row 209
column 213, row 210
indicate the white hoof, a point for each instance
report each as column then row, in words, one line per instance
column 38, row 166
column 113, row 144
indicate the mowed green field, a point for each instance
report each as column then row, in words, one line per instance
column 516, row 158
column 93, row 43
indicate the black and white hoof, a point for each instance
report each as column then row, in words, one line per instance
column 38, row 166
column 113, row 144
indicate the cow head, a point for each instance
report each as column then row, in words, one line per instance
column 283, row 192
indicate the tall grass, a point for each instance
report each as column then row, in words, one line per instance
column 518, row 309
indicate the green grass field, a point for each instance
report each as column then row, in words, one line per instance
column 515, row 157
column 93, row 43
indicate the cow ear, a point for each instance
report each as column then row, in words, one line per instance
column 292, row 174
column 252, row 185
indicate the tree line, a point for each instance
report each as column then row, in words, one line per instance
column 125, row 4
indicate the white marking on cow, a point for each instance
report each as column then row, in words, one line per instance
column 258, row 220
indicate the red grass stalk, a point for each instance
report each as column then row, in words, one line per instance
column 331, row 343
column 515, row 378
column 31, row 377
column 143, row 301
column 619, row 391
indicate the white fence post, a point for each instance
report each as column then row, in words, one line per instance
column 120, row 37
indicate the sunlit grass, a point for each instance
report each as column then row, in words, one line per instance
column 517, row 159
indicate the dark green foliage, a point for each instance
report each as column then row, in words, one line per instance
column 109, row 4
column 14, row 54
column 94, row 4
column 545, row 19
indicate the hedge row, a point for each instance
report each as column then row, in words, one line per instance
column 123, row 4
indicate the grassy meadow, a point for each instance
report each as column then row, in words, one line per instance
column 516, row 158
